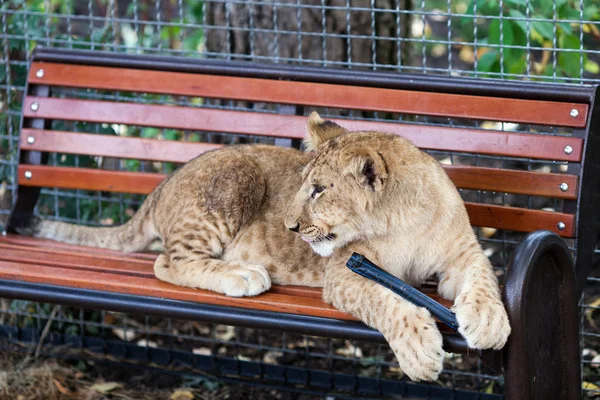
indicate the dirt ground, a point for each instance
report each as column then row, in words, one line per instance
column 25, row 378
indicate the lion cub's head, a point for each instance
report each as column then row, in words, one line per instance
column 342, row 185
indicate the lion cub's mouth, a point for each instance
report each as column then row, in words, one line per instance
column 319, row 239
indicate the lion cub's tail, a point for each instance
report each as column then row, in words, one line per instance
column 134, row 235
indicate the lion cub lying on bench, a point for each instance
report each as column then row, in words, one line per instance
column 237, row 219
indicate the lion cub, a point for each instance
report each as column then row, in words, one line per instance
column 239, row 218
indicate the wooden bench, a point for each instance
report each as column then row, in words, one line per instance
column 552, row 156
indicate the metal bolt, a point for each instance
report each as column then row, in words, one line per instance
column 561, row 226
column 574, row 113
column 30, row 139
column 28, row 175
column 564, row 187
column 39, row 73
column 34, row 106
column 568, row 150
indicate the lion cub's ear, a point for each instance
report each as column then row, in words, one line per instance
column 367, row 166
column 320, row 131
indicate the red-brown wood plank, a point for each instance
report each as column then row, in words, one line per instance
column 37, row 244
column 489, row 179
column 238, row 122
column 312, row 94
column 511, row 218
column 519, row 219
column 136, row 285
column 513, row 181
column 112, row 145
column 89, row 179
column 78, row 257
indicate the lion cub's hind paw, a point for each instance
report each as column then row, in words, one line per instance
column 245, row 280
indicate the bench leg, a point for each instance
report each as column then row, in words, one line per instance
column 542, row 358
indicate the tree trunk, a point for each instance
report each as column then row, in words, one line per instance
column 305, row 32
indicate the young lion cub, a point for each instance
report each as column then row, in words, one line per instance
column 234, row 221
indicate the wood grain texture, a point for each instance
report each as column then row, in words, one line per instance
column 101, row 260
column 113, row 146
column 477, row 178
column 294, row 127
column 312, row 94
column 513, row 181
column 75, row 268
column 520, row 219
column 152, row 287
column 511, row 218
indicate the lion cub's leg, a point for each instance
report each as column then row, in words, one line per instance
column 410, row 330
column 224, row 195
column 470, row 281
column 191, row 259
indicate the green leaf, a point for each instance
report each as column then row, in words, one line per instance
column 565, row 26
column 592, row 67
column 507, row 32
column 569, row 61
column 517, row 2
column 487, row 61
column 546, row 29
column 518, row 14
column 590, row 12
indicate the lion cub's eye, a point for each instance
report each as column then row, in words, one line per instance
column 316, row 191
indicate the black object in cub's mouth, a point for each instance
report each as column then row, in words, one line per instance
column 362, row 266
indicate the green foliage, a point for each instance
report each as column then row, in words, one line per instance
column 509, row 35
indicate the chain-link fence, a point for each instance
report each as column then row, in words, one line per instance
column 543, row 40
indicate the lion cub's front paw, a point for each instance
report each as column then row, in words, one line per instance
column 482, row 320
column 245, row 280
column 418, row 346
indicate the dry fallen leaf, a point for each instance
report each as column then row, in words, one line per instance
column 61, row 388
column 590, row 386
column 202, row 351
column 182, row 395
column 127, row 335
column 106, row 387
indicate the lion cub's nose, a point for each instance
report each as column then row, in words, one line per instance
column 294, row 228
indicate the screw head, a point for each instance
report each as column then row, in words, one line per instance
column 35, row 106
column 574, row 113
column 564, row 187
column 30, row 139
column 561, row 226
column 568, row 150
column 39, row 73
column 28, row 175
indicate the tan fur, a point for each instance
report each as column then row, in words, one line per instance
column 225, row 220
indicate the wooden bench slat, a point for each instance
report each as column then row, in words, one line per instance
column 511, row 218
column 312, row 94
column 294, row 127
column 520, row 219
column 513, row 181
column 37, row 244
column 113, row 146
column 464, row 177
column 77, row 257
column 135, row 285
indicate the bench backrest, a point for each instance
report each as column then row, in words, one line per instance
column 538, row 154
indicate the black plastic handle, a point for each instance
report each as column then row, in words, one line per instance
column 362, row 266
